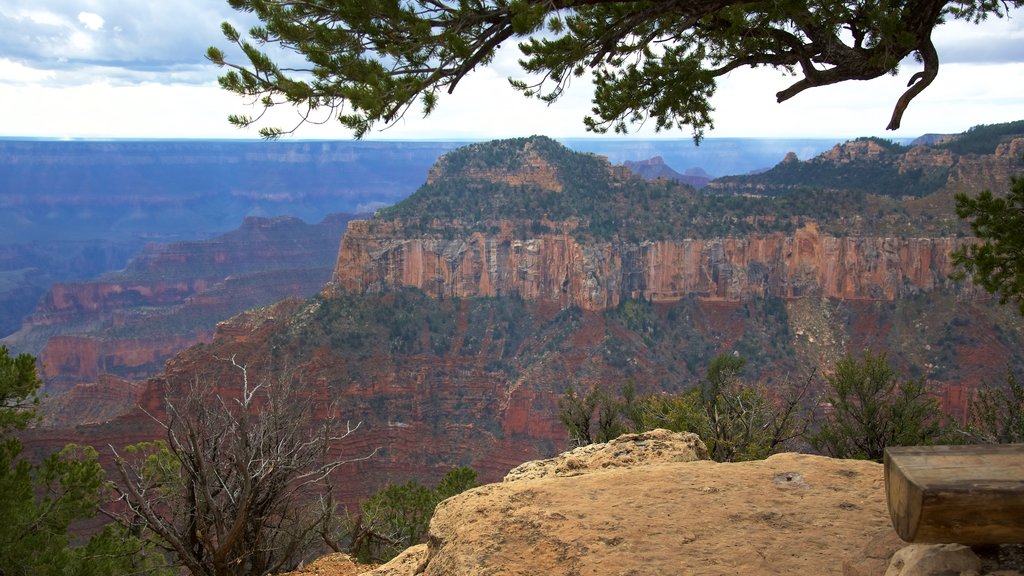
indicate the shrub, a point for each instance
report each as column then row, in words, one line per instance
column 869, row 409
column 997, row 413
column 398, row 515
column 736, row 421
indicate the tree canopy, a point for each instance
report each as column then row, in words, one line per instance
column 366, row 62
column 996, row 263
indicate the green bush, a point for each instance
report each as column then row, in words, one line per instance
column 869, row 408
column 736, row 420
column 40, row 502
column 398, row 515
column 997, row 413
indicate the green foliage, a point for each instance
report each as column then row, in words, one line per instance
column 656, row 63
column 984, row 138
column 576, row 413
column 997, row 262
column 598, row 204
column 19, row 387
column 398, row 515
column 735, row 420
column 456, row 481
column 40, row 502
column 870, row 409
column 997, row 413
column 683, row 412
column 740, row 421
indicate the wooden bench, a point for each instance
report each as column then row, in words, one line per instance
column 956, row 494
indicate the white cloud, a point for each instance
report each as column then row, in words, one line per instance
column 91, row 20
column 44, row 17
column 16, row 72
column 101, row 110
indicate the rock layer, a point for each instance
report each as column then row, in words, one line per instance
column 376, row 257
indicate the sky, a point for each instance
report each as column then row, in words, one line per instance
column 136, row 69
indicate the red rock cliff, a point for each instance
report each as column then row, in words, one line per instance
column 375, row 257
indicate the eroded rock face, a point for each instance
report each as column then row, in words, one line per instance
column 663, row 518
column 559, row 269
column 626, row 450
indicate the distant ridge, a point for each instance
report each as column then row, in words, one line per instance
column 654, row 168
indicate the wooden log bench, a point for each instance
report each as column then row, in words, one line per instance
column 970, row 495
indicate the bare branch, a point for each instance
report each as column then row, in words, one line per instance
column 231, row 489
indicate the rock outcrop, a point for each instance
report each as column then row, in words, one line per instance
column 652, row 504
column 628, row 450
column 529, row 168
column 789, row 514
column 376, row 257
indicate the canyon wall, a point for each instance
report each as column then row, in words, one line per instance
column 375, row 257
column 129, row 322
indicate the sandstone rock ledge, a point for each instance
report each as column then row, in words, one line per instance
column 789, row 514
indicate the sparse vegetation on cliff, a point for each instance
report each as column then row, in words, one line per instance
column 984, row 138
column 866, row 166
column 860, row 188
column 735, row 419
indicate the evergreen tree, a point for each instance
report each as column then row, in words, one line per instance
column 997, row 262
column 658, row 61
column 870, row 409
column 40, row 502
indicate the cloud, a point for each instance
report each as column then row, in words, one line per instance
column 995, row 41
column 15, row 72
column 126, row 39
column 91, row 20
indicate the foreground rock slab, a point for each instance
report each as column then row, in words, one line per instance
column 789, row 514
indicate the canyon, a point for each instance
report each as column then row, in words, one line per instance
column 128, row 323
column 451, row 340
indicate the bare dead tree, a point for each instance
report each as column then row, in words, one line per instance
column 234, row 488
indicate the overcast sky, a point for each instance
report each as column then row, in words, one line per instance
column 135, row 69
